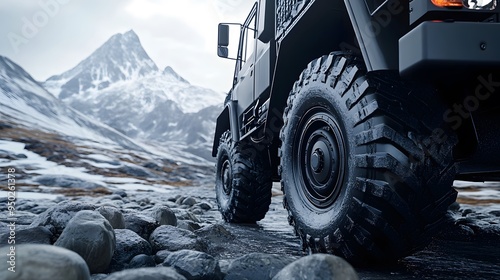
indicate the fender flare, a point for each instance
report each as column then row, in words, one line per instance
column 227, row 120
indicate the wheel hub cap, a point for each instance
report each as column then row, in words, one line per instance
column 321, row 152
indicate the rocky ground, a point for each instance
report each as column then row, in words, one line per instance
column 180, row 235
column 96, row 211
column 131, row 236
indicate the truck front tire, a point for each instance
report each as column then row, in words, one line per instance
column 366, row 161
column 243, row 181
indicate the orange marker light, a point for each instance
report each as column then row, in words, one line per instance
column 448, row 3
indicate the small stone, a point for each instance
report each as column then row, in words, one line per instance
column 150, row 273
column 317, row 267
column 187, row 215
column 91, row 236
column 164, row 215
column 180, row 199
column 194, row 265
column 128, row 245
column 189, row 201
column 57, row 217
column 205, row 206
column 162, row 255
column 495, row 213
column 43, row 262
column 113, row 215
column 258, row 266
column 189, row 225
column 140, row 224
column 455, row 206
column 36, row 235
column 120, row 193
column 174, row 239
column 142, row 261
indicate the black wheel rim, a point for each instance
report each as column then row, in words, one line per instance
column 319, row 161
column 225, row 176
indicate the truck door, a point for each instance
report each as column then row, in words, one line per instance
column 243, row 91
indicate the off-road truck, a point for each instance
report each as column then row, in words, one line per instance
column 366, row 111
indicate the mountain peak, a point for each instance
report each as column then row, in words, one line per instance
column 120, row 58
column 169, row 71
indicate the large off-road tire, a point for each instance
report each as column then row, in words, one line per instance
column 366, row 161
column 243, row 181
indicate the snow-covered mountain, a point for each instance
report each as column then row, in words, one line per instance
column 60, row 150
column 24, row 101
column 121, row 86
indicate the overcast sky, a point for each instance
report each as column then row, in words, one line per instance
column 48, row 37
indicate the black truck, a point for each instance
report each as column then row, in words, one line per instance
column 366, row 111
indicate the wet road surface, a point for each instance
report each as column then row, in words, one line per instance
column 468, row 248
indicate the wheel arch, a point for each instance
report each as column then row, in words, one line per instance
column 227, row 120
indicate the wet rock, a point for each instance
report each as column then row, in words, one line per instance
column 164, row 215
column 224, row 266
column 128, row 245
column 174, row 239
column 154, row 273
column 179, row 199
column 142, row 261
column 217, row 234
column 162, row 255
column 455, row 207
column 57, row 217
column 36, row 235
column 189, row 201
column 44, row 262
column 318, row 267
column 61, row 181
column 258, row 266
column 140, row 224
column 22, row 217
column 98, row 276
column 188, row 225
column 91, row 236
column 495, row 213
column 187, row 215
column 113, row 215
column 194, row 265
column 120, row 193
column 205, row 206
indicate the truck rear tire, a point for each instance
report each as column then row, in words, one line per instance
column 366, row 161
column 243, row 181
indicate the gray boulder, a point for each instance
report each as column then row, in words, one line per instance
column 43, row 262
column 174, row 239
column 142, row 261
column 113, row 215
column 91, row 236
column 128, row 245
column 189, row 225
column 36, row 235
column 153, row 273
column 189, row 201
column 257, row 266
column 164, row 215
column 57, row 217
column 194, row 265
column 318, row 267
column 140, row 224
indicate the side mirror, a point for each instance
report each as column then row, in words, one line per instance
column 223, row 52
column 223, row 35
